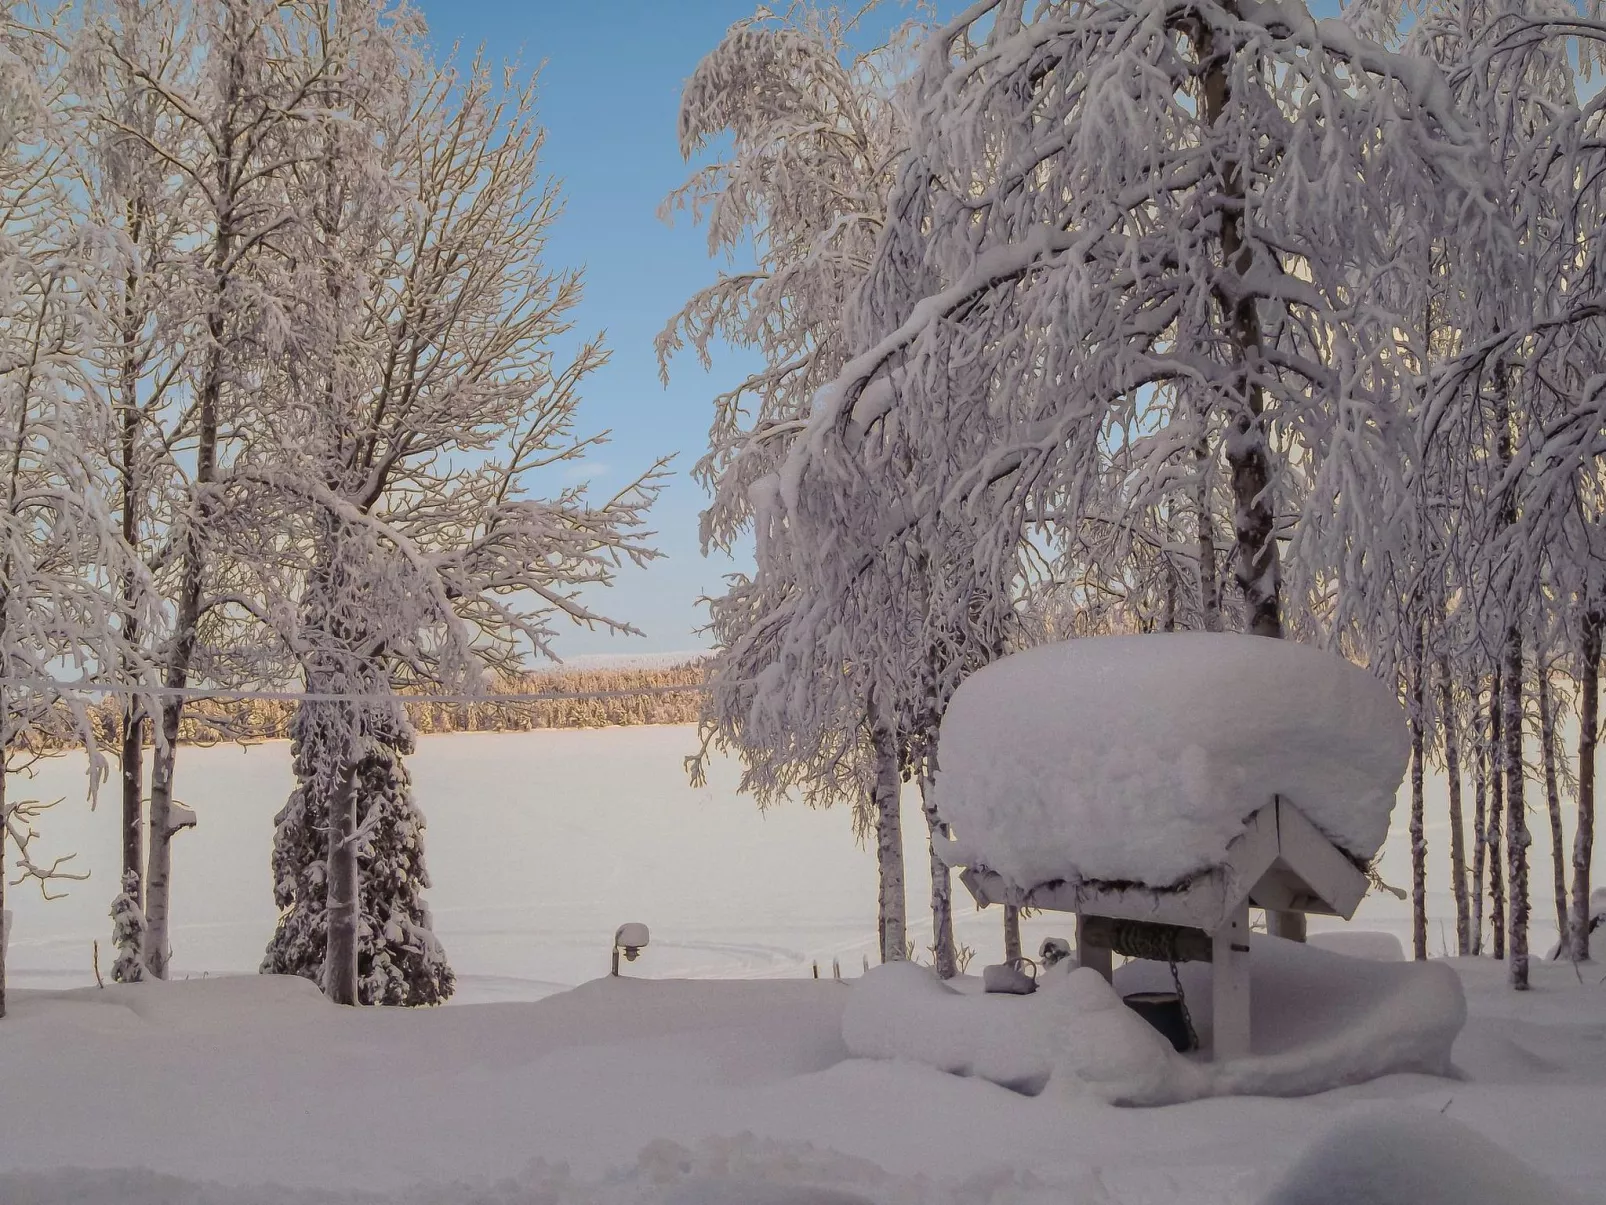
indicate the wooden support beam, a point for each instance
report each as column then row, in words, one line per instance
column 1089, row 954
column 1229, row 987
column 1145, row 939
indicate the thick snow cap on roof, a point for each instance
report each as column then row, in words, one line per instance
column 1138, row 758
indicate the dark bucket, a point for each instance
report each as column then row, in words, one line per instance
column 1163, row 1010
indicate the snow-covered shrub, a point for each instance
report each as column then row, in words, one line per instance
column 128, row 932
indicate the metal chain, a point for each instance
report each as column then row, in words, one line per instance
column 1187, row 1017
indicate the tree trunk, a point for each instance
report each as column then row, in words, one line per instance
column 942, row 905
column 1209, row 583
column 1588, row 730
column 131, row 762
column 1517, row 839
column 1558, row 856
column 1458, row 838
column 1012, row 949
column 4, row 840
column 340, row 955
column 891, row 907
column 209, row 395
column 1497, row 800
column 1480, row 831
column 1259, row 570
column 1419, row 845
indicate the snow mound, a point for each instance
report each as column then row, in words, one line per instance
column 1360, row 943
column 1138, row 758
column 217, row 1004
column 1405, row 1156
column 1319, row 1021
column 1074, row 1028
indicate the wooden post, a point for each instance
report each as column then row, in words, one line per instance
column 1098, row 958
column 1229, row 986
column 1287, row 925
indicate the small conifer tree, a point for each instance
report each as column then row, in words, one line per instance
column 399, row 959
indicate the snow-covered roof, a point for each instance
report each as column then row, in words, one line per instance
column 1139, row 759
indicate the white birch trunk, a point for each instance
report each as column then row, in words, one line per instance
column 1480, row 833
column 892, row 917
column 1517, row 839
column 1558, row 856
column 1588, row 730
column 1496, row 816
column 1458, row 839
column 942, row 914
column 1419, row 846
column 159, row 856
column 4, row 936
column 1209, row 583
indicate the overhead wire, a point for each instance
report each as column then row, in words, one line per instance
column 125, row 689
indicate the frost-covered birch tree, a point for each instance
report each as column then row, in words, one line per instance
column 816, row 133
column 1142, row 218
column 141, row 204
column 220, row 96
column 1497, row 433
column 60, row 612
column 428, row 406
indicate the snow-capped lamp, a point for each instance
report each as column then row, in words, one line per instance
column 631, row 939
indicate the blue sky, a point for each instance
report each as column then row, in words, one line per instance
column 610, row 80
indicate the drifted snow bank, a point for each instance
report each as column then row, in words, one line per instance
column 1405, row 1156
column 1073, row 1032
column 1319, row 1021
column 741, row 1170
column 1138, row 758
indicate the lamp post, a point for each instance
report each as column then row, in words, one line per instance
column 631, row 939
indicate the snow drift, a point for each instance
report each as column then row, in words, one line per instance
column 1320, row 1021
column 1138, row 758
column 1405, row 1156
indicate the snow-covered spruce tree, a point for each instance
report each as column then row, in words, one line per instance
column 399, row 961
column 430, row 404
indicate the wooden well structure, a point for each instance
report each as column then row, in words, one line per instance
column 1280, row 862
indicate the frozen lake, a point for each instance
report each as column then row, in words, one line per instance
column 541, row 843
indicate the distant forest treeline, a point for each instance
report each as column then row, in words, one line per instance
column 645, row 698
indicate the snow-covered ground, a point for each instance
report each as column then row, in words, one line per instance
column 717, row 1082
column 648, row 1091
